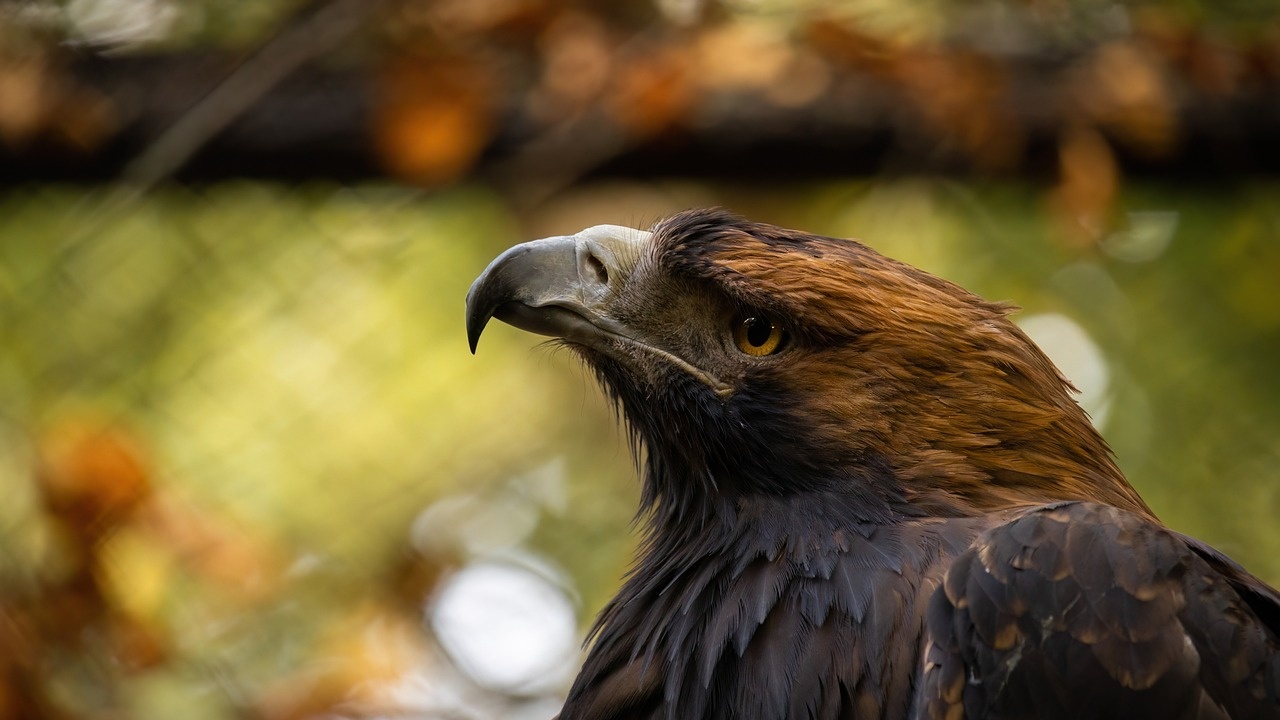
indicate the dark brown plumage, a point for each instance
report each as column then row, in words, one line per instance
column 868, row 494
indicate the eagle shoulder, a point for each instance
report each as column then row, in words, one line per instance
column 1079, row 609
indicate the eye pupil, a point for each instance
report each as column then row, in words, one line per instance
column 758, row 331
column 757, row 335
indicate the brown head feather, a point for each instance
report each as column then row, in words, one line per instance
column 892, row 362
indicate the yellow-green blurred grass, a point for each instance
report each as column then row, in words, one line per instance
column 295, row 366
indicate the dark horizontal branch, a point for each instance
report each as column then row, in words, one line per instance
column 325, row 123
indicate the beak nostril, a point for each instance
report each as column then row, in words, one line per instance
column 596, row 270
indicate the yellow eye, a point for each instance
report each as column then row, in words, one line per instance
column 757, row 336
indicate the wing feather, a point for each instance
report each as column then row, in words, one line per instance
column 1084, row 610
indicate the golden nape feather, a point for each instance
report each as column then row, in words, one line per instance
column 868, row 494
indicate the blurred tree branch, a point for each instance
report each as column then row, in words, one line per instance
column 318, row 28
column 536, row 94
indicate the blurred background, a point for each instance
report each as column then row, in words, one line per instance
column 248, row 468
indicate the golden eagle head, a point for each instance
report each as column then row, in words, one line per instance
column 751, row 360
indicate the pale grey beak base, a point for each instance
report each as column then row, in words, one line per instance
column 555, row 286
column 563, row 287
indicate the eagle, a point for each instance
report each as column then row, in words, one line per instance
column 866, row 493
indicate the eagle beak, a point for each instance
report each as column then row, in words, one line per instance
column 557, row 286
